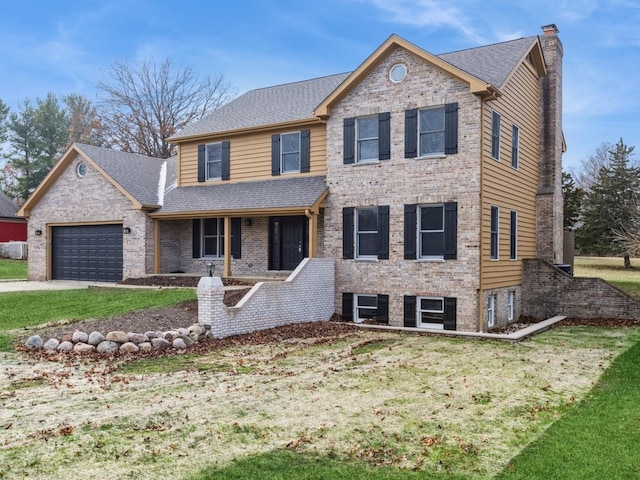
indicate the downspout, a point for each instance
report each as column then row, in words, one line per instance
column 481, row 249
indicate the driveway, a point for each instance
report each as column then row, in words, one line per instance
column 24, row 286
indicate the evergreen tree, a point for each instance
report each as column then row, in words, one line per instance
column 85, row 126
column 611, row 206
column 573, row 202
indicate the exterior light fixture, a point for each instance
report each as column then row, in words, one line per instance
column 247, row 222
column 210, row 265
column 126, row 230
column 38, row 233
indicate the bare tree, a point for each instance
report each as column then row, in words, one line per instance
column 149, row 102
column 587, row 174
column 85, row 126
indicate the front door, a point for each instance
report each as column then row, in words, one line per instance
column 288, row 242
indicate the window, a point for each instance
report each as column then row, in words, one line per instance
column 513, row 236
column 365, row 307
column 367, row 139
column 212, row 237
column 430, row 312
column 511, row 305
column 431, row 131
column 430, row 231
column 365, row 232
column 515, row 146
column 491, row 311
column 290, row 152
column 495, row 135
column 213, row 161
column 495, row 217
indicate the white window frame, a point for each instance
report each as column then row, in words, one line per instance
column 419, row 231
column 419, row 311
column 511, row 300
column 491, row 311
column 515, row 147
column 208, row 162
column 430, row 154
column 495, row 233
column 366, row 139
column 513, row 232
column 219, row 238
column 283, row 153
column 357, row 307
column 357, row 233
column 495, row 135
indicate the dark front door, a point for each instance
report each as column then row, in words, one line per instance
column 288, row 242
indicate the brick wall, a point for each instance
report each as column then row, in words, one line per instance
column 548, row 291
column 306, row 296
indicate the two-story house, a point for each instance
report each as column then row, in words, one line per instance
column 428, row 178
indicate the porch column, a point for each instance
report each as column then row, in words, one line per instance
column 226, row 272
column 313, row 233
column 156, row 250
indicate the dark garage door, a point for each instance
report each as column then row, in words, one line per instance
column 87, row 252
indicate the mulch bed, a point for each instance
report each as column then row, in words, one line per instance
column 177, row 281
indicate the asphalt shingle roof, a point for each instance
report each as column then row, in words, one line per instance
column 139, row 175
column 8, row 209
column 295, row 192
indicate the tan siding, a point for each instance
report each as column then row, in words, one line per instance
column 506, row 187
column 250, row 156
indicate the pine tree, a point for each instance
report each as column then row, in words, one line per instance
column 573, row 202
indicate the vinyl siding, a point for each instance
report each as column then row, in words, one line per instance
column 507, row 188
column 250, row 156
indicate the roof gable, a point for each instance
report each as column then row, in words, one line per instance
column 8, row 208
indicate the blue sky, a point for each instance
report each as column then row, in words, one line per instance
column 65, row 46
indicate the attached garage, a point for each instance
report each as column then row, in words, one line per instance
column 87, row 253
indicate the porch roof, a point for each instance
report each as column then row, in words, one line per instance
column 279, row 196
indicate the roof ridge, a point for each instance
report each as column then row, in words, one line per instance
column 293, row 83
column 487, row 45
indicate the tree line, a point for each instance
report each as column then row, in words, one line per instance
column 138, row 107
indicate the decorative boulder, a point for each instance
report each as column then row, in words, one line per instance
column 51, row 344
column 65, row 346
column 80, row 337
column 160, row 344
column 145, row 347
column 188, row 341
column 137, row 338
column 197, row 329
column 108, row 347
column 170, row 335
column 95, row 338
column 84, row 348
column 129, row 347
column 151, row 334
column 183, row 332
column 34, row 341
column 117, row 337
column 179, row 344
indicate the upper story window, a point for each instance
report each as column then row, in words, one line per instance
column 367, row 139
column 366, row 228
column 513, row 236
column 213, row 161
column 495, row 135
column 515, row 147
column 365, row 232
column 431, row 131
column 290, row 152
column 430, row 231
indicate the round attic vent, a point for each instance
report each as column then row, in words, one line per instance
column 81, row 170
column 397, row 72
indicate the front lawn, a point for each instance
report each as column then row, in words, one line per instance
column 13, row 269
column 612, row 270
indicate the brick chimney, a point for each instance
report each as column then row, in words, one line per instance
column 549, row 200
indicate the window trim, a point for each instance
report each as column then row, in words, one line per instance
column 356, row 307
column 515, row 147
column 207, row 162
column 368, row 232
column 491, row 311
column 219, row 236
column 419, row 231
column 283, row 153
column 432, row 326
column 495, row 135
column 511, row 300
column 513, row 235
column 367, row 139
column 439, row 154
column 494, row 233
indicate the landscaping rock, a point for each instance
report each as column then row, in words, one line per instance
column 160, row 344
column 108, row 347
column 65, row 346
column 51, row 344
column 187, row 340
column 145, row 347
column 170, row 335
column 183, row 332
column 129, row 347
column 117, row 337
column 34, row 341
column 151, row 334
column 179, row 344
column 84, row 348
column 137, row 338
column 80, row 337
column 95, row 338
column 67, row 337
column 193, row 336
column 197, row 329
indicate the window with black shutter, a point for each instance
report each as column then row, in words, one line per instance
column 430, row 231
column 431, row 131
column 365, row 232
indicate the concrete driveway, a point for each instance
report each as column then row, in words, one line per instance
column 25, row 286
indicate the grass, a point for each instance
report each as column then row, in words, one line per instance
column 612, row 270
column 22, row 310
column 13, row 269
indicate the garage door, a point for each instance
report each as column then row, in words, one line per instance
column 87, row 252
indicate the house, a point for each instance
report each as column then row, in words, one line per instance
column 428, row 178
column 12, row 228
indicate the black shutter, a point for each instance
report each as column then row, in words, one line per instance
column 383, row 232
column 275, row 154
column 305, row 151
column 383, row 308
column 196, row 238
column 411, row 133
column 201, row 163
column 450, row 230
column 347, row 306
column 449, row 313
column 410, row 232
column 236, row 237
column 225, row 164
column 451, row 128
column 349, row 140
column 409, row 311
column 384, row 136
column 347, row 232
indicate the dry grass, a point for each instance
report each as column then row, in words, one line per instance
column 409, row 401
